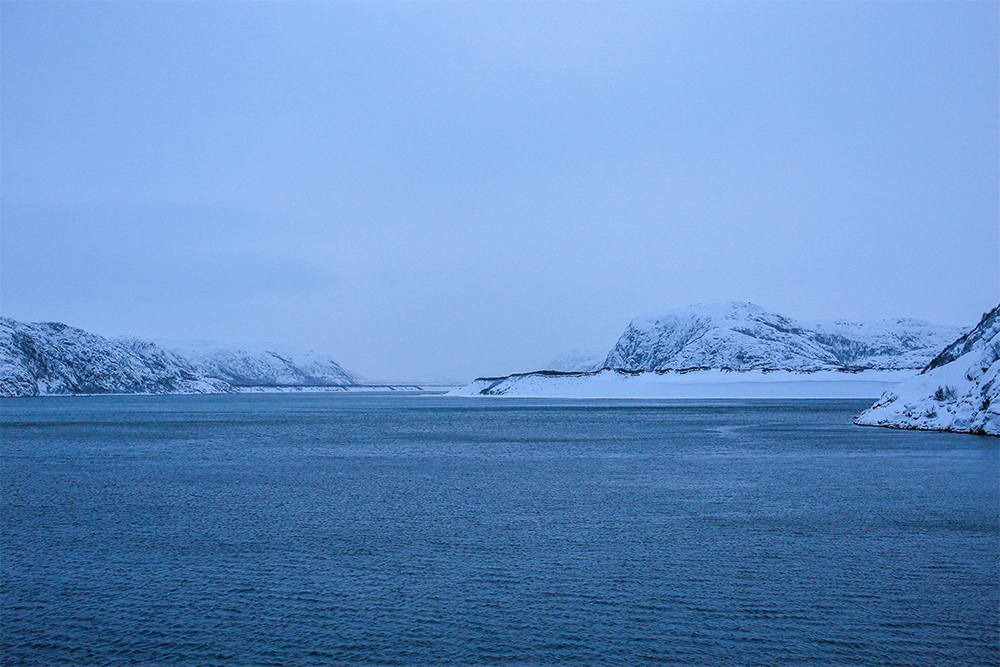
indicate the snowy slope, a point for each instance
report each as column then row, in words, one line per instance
column 733, row 350
column 744, row 336
column 958, row 391
column 52, row 358
column 693, row 384
column 577, row 361
column 262, row 365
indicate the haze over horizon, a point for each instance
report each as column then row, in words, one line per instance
column 429, row 191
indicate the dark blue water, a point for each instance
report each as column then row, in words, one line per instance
column 413, row 530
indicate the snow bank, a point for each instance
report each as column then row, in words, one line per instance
column 692, row 384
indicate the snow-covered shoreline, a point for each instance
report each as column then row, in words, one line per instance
column 714, row 383
column 356, row 389
column 958, row 391
column 328, row 388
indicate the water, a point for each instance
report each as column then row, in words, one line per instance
column 417, row 530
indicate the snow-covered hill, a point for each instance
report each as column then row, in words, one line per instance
column 958, row 391
column 744, row 336
column 738, row 350
column 262, row 365
column 52, row 358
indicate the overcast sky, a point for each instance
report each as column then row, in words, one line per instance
column 449, row 190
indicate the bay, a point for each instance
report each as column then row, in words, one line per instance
column 330, row 529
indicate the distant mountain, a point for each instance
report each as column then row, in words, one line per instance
column 736, row 350
column 261, row 365
column 577, row 361
column 957, row 391
column 53, row 358
column 744, row 336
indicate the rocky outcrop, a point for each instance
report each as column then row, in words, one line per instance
column 957, row 391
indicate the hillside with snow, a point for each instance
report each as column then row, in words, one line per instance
column 744, row 336
column 957, row 391
column 576, row 361
column 53, row 358
column 738, row 350
column 261, row 365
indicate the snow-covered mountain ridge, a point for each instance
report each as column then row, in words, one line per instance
column 53, row 358
column 733, row 350
column 957, row 391
column 744, row 336
column 261, row 365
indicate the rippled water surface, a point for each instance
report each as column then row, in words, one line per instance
column 417, row 530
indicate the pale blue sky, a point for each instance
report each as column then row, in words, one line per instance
column 449, row 189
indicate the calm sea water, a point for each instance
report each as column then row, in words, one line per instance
column 416, row 530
